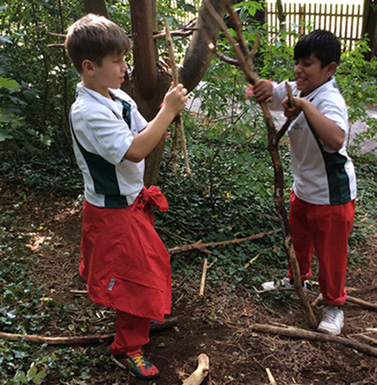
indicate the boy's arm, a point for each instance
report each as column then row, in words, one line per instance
column 143, row 143
column 330, row 134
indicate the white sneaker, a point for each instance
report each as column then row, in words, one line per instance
column 332, row 320
column 281, row 284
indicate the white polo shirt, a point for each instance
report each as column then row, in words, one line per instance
column 101, row 138
column 320, row 175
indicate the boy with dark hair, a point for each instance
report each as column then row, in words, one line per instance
column 123, row 260
column 322, row 202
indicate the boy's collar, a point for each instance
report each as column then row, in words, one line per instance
column 318, row 89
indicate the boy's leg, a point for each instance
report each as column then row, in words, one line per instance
column 131, row 333
column 331, row 228
column 301, row 236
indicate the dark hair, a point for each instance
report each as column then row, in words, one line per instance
column 324, row 45
column 93, row 37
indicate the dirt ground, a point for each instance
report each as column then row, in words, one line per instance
column 219, row 324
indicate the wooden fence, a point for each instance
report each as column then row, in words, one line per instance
column 342, row 18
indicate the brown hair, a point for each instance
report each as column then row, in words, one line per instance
column 93, row 37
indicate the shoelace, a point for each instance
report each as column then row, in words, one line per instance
column 139, row 361
column 331, row 316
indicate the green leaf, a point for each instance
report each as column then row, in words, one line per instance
column 8, row 83
column 39, row 378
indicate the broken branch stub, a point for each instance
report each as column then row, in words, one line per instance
column 200, row 373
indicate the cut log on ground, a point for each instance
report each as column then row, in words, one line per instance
column 200, row 373
column 83, row 340
column 289, row 331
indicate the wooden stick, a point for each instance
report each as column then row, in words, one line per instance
column 204, row 274
column 251, row 76
column 289, row 331
column 350, row 299
column 82, row 340
column 291, row 102
column 178, row 118
column 200, row 373
column 270, row 377
column 199, row 246
column 369, row 339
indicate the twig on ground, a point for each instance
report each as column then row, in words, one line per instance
column 200, row 246
column 289, row 331
column 357, row 301
column 204, row 274
column 82, row 340
column 270, row 377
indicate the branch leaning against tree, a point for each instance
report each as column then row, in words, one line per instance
column 245, row 61
column 178, row 118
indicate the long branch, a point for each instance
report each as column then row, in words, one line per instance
column 251, row 76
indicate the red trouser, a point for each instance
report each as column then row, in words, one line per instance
column 131, row 333
column 325, row 229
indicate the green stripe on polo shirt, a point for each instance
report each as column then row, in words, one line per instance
column 337, row 177
column 104, row 177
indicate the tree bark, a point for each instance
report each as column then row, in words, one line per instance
column 145, row 69
column 198, row 56
column 97, row 7
column 370, row 26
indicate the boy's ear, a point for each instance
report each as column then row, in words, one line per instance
column 331, row 68
column 87, row 67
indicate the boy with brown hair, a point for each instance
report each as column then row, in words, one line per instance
column 322, row 202
column 123, row 260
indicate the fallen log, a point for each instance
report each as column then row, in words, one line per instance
column 289, row 331
column 200, row 373
column 83, row 340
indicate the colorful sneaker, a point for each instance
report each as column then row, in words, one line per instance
column 332, row 320
column 137, row 364
column 282, row 284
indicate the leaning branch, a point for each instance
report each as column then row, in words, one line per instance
column 178, row 119
column 245, row 61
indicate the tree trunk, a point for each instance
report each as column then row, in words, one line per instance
column 97, row 7
column 370, row 26
column 198, row 56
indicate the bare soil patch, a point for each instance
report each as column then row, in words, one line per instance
column 218, row 324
